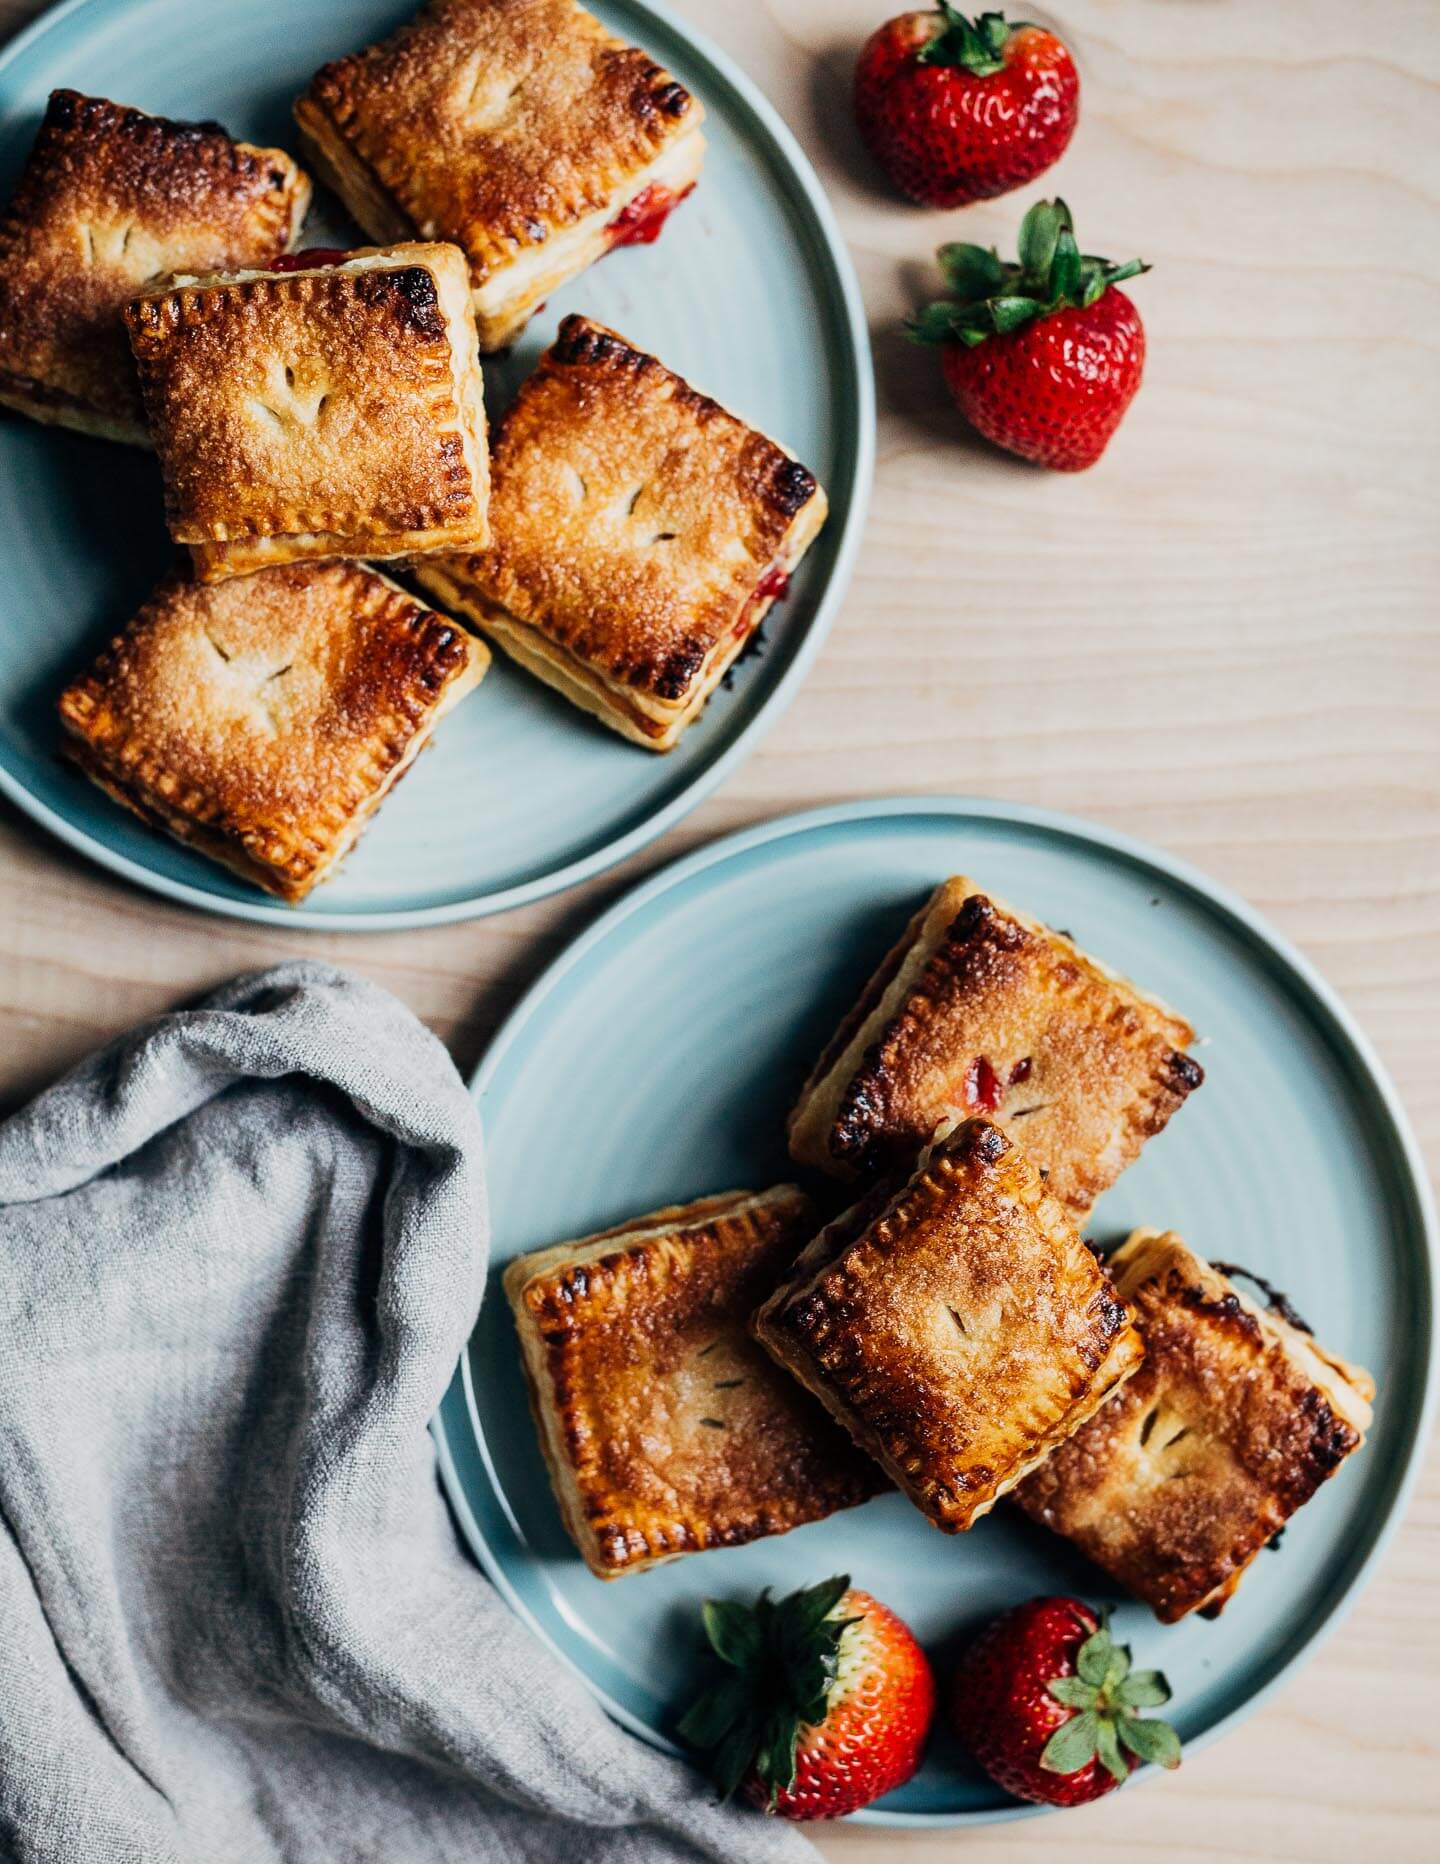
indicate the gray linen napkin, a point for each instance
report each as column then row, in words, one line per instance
column 240, row 1250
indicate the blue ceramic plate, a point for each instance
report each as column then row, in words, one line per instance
column 656, row 1060
column 749, row 294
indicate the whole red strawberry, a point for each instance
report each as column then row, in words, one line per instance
column 1042, row 357
column 823, row 1703
column 1045, row 1700
column 957, row 110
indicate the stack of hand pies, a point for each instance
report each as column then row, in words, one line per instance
column 319, row 413
column 731, row 1368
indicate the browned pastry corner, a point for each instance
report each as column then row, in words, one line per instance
column 959, row 1329
column 1234, row 1420
column 110, row 201
column 639, row 534
column 979, row 1008
column 264, row 720
column 520, row 129
column 665, row 1428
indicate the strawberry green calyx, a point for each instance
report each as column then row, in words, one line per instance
column 976, row 46
column 993, row 297
column 780, row 1659
column 1105, row 1693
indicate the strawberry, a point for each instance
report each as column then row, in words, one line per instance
column 957, row 110
column 1045, row 1700
column 823, row 1703
column 1042, row 357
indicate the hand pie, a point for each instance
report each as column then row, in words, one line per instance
column 333, row 412
column 109, row 201
column 639, row 535
column 264, row 721
column 958, row 1329
column 1234, row 1420
column 665, row 1428
column 980, row 1009
column 519, row 129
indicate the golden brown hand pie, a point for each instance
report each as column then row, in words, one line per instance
column 1231, row 1424
column 263, row 721
column 981, row 1009
column 639, row 535
column 112, row 200
column 665, row 1428
column 326, row 413
column 520, row 129
column 959, row 1329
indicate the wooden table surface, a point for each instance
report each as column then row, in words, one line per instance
column 1225, row 639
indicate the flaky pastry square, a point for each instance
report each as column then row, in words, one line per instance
column 112, row 200
column 639, row 535
column 263, row 720
column 520, row 129
column 323, row 413
column 981, row 1009
column 959, row 1329
column 1231, row 1424
column 665, row 1428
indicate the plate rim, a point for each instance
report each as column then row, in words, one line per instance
column 460, row 1395
column 854, row 324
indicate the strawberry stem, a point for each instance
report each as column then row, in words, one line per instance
column 779, row 1659
column 976, row 46
column 993, row 297
column 1105, row 1694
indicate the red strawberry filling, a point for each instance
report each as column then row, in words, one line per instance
column 983, row 1087
column 773, row 586
column 639, row 223
column 309, row 259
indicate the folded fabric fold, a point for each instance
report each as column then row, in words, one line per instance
column 240, row 1252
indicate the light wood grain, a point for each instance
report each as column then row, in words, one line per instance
column 1225, row 639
